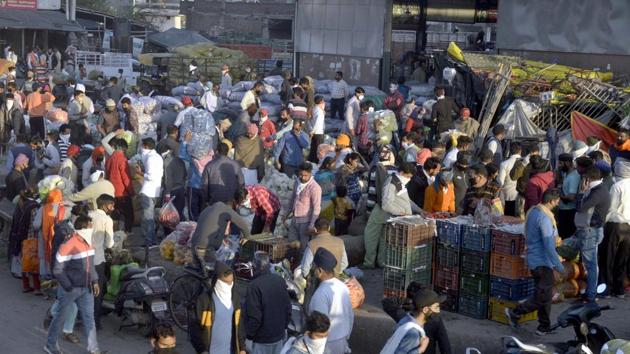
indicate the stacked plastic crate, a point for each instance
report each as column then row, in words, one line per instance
column 474, row 277
column 408, row 254
column 510, row 280
column 447, row 263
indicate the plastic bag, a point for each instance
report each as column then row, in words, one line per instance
column 229, row 248
column 30, row 261
column 357, row 294
column 169, row 216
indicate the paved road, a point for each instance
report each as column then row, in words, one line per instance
column 22, row 332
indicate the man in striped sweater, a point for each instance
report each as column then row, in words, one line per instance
column 74, row 270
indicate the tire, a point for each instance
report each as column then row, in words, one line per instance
column 183, row 298
column 146, row 329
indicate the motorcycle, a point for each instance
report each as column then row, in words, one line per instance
column 590, row 337
column 142, row 299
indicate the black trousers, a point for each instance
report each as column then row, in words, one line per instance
column 510, row 208
column 37, row 127
column 102, row 284
column 316, row 140
column 542, row 298
column 258, row 224
column 613, row 255
column 124, row 209
column 336, row 107
column 566, row 223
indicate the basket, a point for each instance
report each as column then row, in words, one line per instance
column 474, row 283
column 510, row 267
column 507, row 243
column 510, row 289
column 452, row 299
column 449, row 233
column 446, row 278
column 397, row 279
column 408, row 235
column 478, row 262
column 400, row 294
column 496, row 311
column 447, row 256
column 409, row 258
column 476, row 238
column 278, row 248
column 473, row 306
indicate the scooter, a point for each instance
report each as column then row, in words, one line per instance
column 590, row 337
column 142, row 299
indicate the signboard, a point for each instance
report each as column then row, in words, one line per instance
column 48, row 4
column 547, row 96
column 137, row 45
column 404, row 36
column 19, row 4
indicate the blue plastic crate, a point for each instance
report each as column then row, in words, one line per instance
column 448, row 233
column 510, row 289
column 476, row 238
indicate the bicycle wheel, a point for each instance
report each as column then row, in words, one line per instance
column 183, row 298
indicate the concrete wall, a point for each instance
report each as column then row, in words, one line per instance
column 365, row 71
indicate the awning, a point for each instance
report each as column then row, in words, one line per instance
column 38, row 19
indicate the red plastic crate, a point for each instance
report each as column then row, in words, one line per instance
column 510, row 267
column 508, row 243
column 446, row 278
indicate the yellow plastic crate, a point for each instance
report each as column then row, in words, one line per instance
column 496, row 311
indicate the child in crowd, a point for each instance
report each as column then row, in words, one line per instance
column 344, row 211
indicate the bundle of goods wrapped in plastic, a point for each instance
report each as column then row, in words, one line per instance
column 388, row 124
column 201, row 123
column 176, row 246
column 54, row 182
column 55, row 118
column 282, row 186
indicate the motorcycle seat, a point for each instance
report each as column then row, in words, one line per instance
column 130, row 272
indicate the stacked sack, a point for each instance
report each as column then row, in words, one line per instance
column 282, row 186
column 202, row 126
column 571, row 282
column 145, row 108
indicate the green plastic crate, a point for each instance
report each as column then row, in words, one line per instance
column 474, row 283
column 397, row 279
column 409, row 258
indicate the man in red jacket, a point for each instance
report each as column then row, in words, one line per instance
column 267, row 129
column 117, row 170
column 541, row 179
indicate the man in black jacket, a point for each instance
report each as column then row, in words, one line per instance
column 267, row 308
column 424, row 178
column 434, row 327
column 442, row 113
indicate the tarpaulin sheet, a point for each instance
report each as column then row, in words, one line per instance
column 517, row 120
column 582, row 127
column 173, row 38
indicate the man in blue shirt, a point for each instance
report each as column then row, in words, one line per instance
column 542, row 258
column 289, row 151
column 569, row 185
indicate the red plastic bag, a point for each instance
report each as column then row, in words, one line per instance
column 169, row 216
column 30, row 260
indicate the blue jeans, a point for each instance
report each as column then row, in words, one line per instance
column 148, row 219
column 84, row 299
column 70, row 313
column 587, row 242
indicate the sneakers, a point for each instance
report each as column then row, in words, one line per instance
column 49, row 350
column 72, row 338
column 541, row 331
column 512, row 317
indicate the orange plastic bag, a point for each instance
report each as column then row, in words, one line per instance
column 30, row 261
column 357, row 294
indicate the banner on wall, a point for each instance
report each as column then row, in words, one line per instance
column 19, row 4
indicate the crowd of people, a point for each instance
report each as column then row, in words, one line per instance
column 423, row 170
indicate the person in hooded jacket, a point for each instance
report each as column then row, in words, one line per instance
column 218, row 327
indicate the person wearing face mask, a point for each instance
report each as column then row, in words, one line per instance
column 353, row 109
column 394, row 101
column 250, row 154
column 288, row 152
column 478, row 189
column 79, row 108
column 284, row 124
column 394, row 202
column 253, row 96
column 226, row 78
column 426, row 177
column 317, row 127
column 98, row 186
column 410, row 336
column 267, row 130
column 338, row 92
column 63, row 141
column 218, row 327
column 313, row 341
column 11, row 119
column 37, row 105
column 364, row 144
column 69, row 168
column 306, row 204
column 163, row 340
column 263, row 203
column 102, row 239
column 379, row 171
column 409, row 148
column 332, row 298
column 151, row 170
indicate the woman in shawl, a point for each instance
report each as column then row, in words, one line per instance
column 350, row 174
column 250, row 153
column 48, row 215
column 21, row 225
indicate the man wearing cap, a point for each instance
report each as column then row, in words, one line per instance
column 96, row 162
column 98, row 186
column 410, row 336
column 568, row 183
column 250, row 153
column 16, row 181
column 466, row 124
column 79, row 108
column 332, row 298
column 181, row 116
column 69, row 168
column 37, row 105
column 288, row 152
column 47, row 157
column 267, row 129
column 342, row 149
column 108, row 119
column 222, row 128
column 218, row 325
